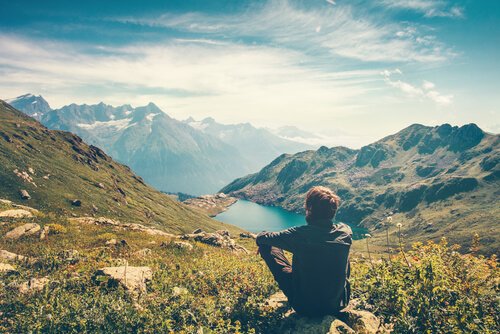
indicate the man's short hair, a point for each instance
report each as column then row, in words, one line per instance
column 321, row 203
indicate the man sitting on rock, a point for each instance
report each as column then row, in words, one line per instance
column 316, row 284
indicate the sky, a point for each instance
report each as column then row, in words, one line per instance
column 353, row 70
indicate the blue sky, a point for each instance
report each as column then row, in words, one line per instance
column 357, row 70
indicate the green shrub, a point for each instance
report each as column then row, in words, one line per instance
column 442, row 292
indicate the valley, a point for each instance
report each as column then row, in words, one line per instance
column 435, row 181
column 173, row 156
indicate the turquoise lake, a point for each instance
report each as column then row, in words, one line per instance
column 255, row 218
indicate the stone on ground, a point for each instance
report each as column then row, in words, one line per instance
column 23, row 230
column 7, row 268
column 44, row 233
column 349, row 321
column 6, row 255
column 34, row 284
column 131, row 278
column 183, row 245
column 16, row 213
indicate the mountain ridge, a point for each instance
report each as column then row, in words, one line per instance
column 169, row 154
column 64, row 175
column 419, row 172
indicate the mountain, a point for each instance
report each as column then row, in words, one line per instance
column 441, row 180
column 168, row 154
column 31, row 105
column 173, row 156
column 64, row 175
column 260, row 145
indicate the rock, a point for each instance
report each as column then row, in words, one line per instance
column 183, row 245
column 362, row 322
column 7, row 268
column 34, row 284
column 277, row 300
column 95, row 208
column 131, row 278
column 119, row 225
column 24, row 194
column 6, row 255
column 23, row 230
column 339, row 327
column 177, row 291
column 31, row 170
column 44, row 233
column 248, row 235
column 198, row 230
column 71, row 256
column 114, row 242
column 16, row 213
column 76, row 202
column 217, row 240
column 224, row 233
column 348, row 321
column 100, row 185
column 143, row 252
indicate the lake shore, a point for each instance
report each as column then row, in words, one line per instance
column 211, row 205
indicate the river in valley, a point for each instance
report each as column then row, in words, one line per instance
column 255, row 218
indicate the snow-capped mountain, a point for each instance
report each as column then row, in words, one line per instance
column 34, row 106
column 189, row 156
column 258, row 144
column 168, row 154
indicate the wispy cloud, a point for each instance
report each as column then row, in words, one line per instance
column 429, row 8
column 184, row 77
column 333, row 30
column 426, row 90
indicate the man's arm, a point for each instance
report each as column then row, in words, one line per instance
column 285, row 239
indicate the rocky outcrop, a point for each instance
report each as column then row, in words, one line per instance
column 101, row 221
column 23, row 230
column 24, row 194
column 7, row 268
column 183, row 245
column 33, row 285
column 132, row 279
column 348, row 321
column 212, row 205
column 16, row 213
column 220, row 239
column 8, row 256
column 248, row 235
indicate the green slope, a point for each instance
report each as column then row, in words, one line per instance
column 440, row 180
column 65, row 169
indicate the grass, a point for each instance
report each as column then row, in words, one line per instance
column 222, row 292
column 76, row 171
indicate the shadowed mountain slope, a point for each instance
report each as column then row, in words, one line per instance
column 441, row 180
column 56, row 168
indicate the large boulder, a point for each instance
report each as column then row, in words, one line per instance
column 131, row 278
column 7, row 268
column 348, row 321
column 218, row 239
column 23, row 230
column 33, row 285
column 16, row 213
column 8, row 256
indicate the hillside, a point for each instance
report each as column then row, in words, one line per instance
column 189, row 157
column 56, row 168
column 438, row 181
column 31, row 105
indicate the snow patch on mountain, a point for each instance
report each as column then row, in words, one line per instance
column 117, row 125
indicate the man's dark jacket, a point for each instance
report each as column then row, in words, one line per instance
column 320, row 268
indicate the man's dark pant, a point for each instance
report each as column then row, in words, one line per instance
column 280, row 267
